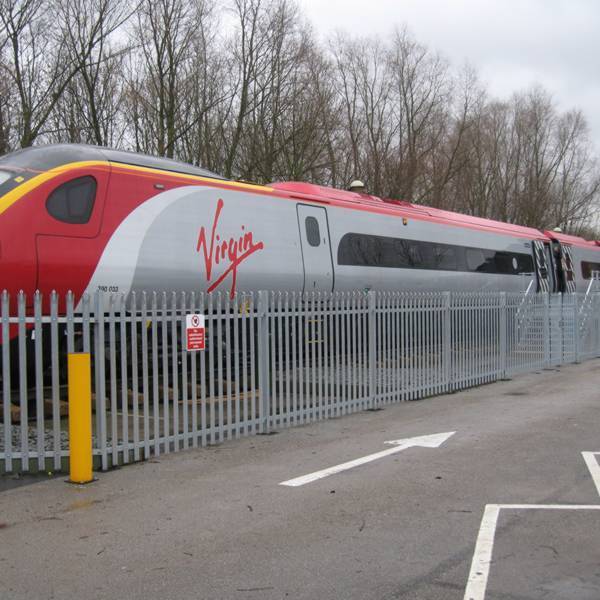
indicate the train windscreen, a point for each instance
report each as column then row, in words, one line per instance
column 5, row 176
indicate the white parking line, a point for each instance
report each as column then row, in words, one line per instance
column 482, row 557
column 592, row 464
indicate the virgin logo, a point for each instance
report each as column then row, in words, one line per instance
column 230, row 253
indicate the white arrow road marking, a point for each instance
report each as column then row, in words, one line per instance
column 592, row 464
column 426, row 441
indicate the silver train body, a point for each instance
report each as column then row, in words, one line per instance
column 204, row 238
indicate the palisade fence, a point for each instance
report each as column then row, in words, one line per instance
column 272, row 360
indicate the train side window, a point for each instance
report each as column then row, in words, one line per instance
column 524, row 263
column 489, row 265
column 363, row 250
column 444, row 258
column 73, row 201
column 475, row 259
column 420, row 255
column 313, row 234
column 505, row 263
column 366, row 250
column 587, row 268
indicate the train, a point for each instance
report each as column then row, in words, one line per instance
column 83, row 218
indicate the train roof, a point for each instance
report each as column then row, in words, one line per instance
column 307, row 191
column 572, row 240
column 153, row 162
column 43, row 158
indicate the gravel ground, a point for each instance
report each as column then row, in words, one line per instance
column 33, row 438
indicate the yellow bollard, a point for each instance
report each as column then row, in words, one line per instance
column 80, row 418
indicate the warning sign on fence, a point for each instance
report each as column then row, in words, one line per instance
column 195, row 334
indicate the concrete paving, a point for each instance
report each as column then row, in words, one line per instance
column 215, row 523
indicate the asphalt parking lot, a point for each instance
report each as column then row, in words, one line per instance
column 362, row 519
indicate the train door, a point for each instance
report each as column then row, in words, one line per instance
column 541, row 266
column 67, row 241
column 316, row 248
column 566, row 259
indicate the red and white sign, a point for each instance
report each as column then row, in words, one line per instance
column 195, row 334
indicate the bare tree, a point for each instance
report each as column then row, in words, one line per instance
column 39, row 62
column 164, row 33
column 260, row 99
column 95, row 90
column 422, row 96
column 576, row 190
column 201, row 118
column 275, row 91
column 348, row 91
column 247, row 63
column 310, row 125
column 6, row 110
column 368, row 96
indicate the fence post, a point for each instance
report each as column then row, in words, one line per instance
column 547, row 340
column 560, row 300
column 597, row 313
column 263, row 361
column 447, row 341
column 372, row 309
column 80, row 418
column 503, row 335
column 23, row 400
column 100, row 372
column 576, row 327
column 6, row 386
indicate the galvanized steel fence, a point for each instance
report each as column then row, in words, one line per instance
column 272, row 360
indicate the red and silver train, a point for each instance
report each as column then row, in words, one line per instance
column 84, row 218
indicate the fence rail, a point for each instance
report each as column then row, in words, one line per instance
column 272, row 360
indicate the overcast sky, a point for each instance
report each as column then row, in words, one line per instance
column 512, row 43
